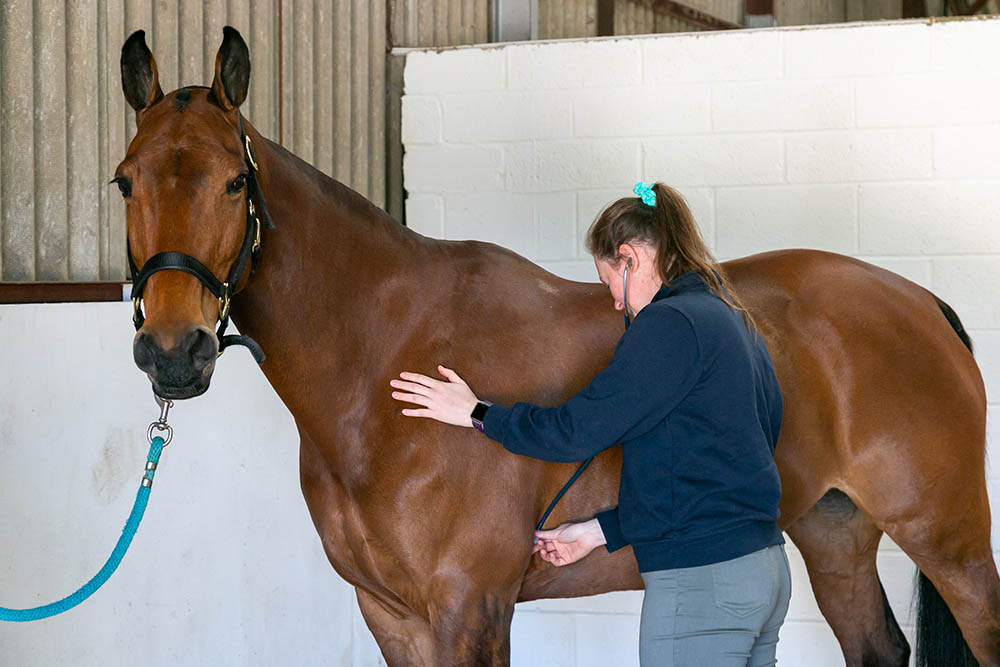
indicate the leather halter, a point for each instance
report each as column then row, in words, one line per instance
column 223, row 291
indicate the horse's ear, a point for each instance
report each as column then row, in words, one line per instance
column 232, row 70
column 140, row 81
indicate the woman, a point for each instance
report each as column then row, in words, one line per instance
column 691, row 396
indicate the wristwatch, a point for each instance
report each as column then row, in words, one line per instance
column 478, row 413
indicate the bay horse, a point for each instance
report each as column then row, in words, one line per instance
column 883, row 432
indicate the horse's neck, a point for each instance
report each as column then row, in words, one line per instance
column 329, row 252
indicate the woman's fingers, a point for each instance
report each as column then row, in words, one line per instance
column 419, row 379
column 556, row 552
column 548, row 534
column 417, row 412
column 410, row 386
column 419, row 399
column 551, row 553
column 450, row 374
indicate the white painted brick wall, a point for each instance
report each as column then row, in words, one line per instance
column 650, row 110
column 968, row 152
column 880, row 141
column 783, row 105
column 859, row 156
column 552, row 66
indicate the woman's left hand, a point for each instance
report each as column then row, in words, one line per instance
column 448, row 401
column 569, row 542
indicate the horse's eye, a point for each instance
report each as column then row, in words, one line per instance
column 237, row 184
column 125, row 185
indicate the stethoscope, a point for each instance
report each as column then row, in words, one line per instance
column 586, row 463
column 628, row 320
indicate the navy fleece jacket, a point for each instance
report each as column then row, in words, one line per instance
column 692, row 397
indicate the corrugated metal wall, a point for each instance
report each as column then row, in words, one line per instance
column 334, row 82
column 567, row 18
column 65, row 124
column 636, row 18
column 559, row 19
column 419, row 23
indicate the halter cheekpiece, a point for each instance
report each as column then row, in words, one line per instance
column 223, row 291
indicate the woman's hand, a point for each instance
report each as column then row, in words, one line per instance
column 569, row 542
column 450, row 402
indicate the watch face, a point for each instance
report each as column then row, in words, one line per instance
column 479, row 411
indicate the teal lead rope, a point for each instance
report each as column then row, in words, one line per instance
column 128, row 532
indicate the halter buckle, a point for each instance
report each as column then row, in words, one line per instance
column 224, row 302
column 136, row 308
column 256, row 240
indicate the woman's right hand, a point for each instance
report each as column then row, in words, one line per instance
column 569, row 542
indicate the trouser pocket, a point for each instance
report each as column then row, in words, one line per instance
column 745, row 585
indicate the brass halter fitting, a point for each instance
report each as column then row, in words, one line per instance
column 224, row 302
column 256, row 240
column 253, row 163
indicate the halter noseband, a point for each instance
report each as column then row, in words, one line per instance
column 223, row 291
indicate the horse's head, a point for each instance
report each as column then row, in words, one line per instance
column 185, row 180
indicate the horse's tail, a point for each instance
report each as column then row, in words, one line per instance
column 939, row 640
column 955, row 323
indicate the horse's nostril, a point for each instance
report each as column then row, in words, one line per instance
column 144, row 353
column 200, row 345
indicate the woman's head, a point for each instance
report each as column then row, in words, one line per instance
column 667, row 230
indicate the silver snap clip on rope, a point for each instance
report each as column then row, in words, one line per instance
column 161, row 424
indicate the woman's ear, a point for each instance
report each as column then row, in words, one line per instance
column 628, row 253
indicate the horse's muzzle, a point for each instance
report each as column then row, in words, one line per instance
column 182, row 372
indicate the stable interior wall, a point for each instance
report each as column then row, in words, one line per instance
column 874, row 140
column 226, row 569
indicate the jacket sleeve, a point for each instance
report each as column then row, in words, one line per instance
column 612, row 529
column 655, row 365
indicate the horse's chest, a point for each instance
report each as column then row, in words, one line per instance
column 349, row 529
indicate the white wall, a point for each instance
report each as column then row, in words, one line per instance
column 875, row 140
column 226, row 569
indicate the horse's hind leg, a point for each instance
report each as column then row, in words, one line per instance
column 949, row 540
column 839, row 544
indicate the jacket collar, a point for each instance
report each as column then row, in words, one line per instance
column 686, row 282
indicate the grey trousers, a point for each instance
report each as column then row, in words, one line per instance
column 723, row 615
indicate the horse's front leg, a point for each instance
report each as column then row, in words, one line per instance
column 405, row 639
column 460, row 633
column 473, row 629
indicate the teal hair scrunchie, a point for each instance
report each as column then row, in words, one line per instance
column 645, row 193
